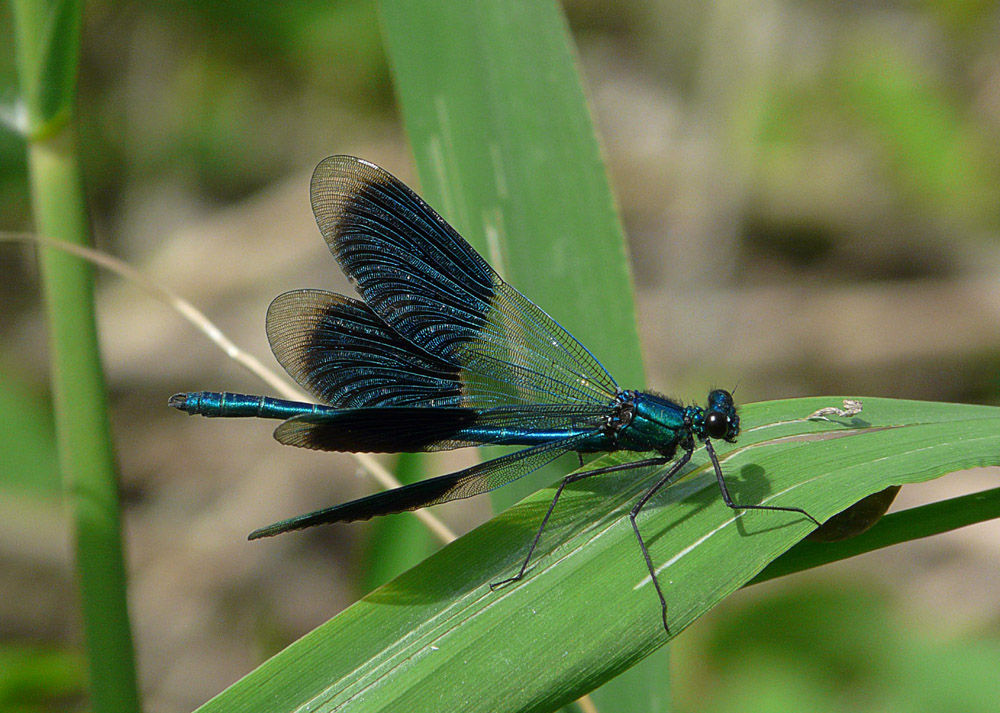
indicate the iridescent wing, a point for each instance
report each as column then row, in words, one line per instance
column 396, row 429
column 425, row 282
column 343, row 354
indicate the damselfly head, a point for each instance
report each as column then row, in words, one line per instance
column 721, row 420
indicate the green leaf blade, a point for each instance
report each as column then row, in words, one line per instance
column 438, row 638
column 502, row 136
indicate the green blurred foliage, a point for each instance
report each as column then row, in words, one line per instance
column 36, row 678
column 27, row 440
column 934, row 151
column 831, row 648
column 914, row 135
column 207, row 93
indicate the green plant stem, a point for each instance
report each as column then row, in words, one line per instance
column 84, row 442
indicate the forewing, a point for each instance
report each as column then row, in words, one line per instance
column 428, row 284
column 478, row 479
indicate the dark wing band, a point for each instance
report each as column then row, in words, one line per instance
column 404, row 429
column 343, row 354
column 428, row 284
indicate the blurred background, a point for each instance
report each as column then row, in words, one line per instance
column 811, row 196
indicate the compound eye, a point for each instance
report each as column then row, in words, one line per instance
column 716, row 425
column 720, row 397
